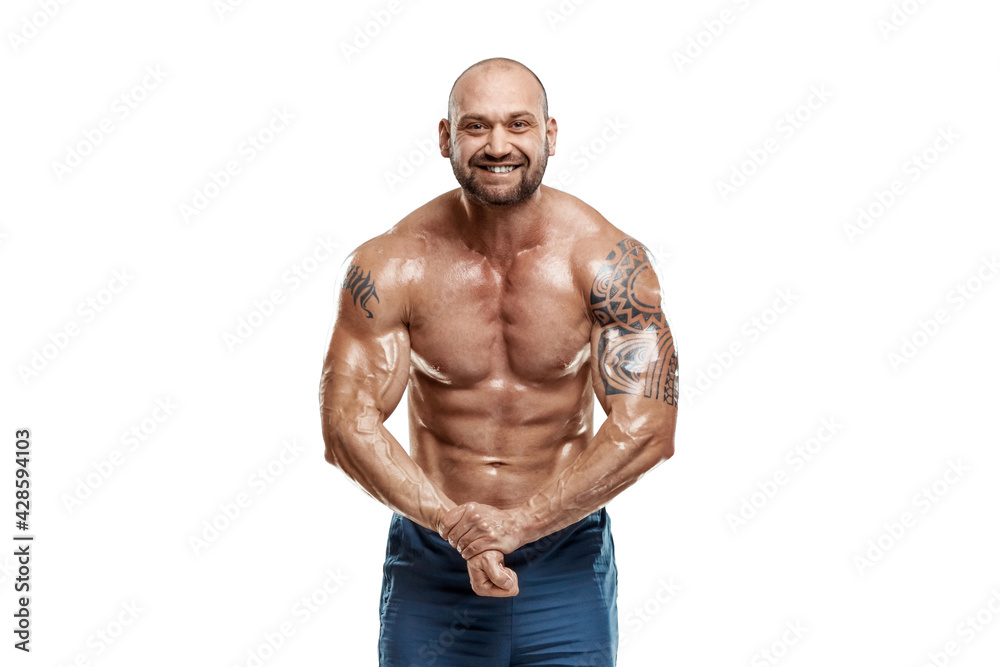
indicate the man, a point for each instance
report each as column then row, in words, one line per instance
column 504, row 306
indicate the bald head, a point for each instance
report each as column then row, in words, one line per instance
column 485, row 68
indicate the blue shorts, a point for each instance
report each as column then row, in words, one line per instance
column 565, row 613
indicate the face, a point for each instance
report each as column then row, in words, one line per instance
column 498, row 142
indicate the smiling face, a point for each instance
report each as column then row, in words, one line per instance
column 498, row 138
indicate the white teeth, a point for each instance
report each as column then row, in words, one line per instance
column 501, row 170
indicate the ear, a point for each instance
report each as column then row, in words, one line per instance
column 551, row 130
column 444, row 137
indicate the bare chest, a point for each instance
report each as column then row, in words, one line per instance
column 473, row 322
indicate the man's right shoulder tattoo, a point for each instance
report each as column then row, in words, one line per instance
column 362, row 287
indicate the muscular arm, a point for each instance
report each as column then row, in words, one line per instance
column 634, row 364
column 364, row 377
column 634, row 367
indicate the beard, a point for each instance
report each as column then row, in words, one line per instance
column 508, row 193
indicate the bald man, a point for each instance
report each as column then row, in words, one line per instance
column 504, row 306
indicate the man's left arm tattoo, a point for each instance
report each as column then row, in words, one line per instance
column 635, row 349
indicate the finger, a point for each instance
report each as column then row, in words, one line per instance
column 464, row 532
column 477, row 547
column 515, row 589
column 478, row 579
column 478, row 527
column 465, row 523
column 487, row 589
column 494, row 592
column 451, row 519
column 499, row 575
column 482, row 585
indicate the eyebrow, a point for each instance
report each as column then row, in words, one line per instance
column 516, row 114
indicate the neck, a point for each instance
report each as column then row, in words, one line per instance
column 500, row 231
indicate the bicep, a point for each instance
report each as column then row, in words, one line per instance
column 362, row 371
column 632, row 347
column 367, row 362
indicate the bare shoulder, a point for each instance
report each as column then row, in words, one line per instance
column 632, row 342
column 596, row 245
column 379, row 274
column 393, row 252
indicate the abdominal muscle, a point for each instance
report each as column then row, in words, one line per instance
column 486, row 446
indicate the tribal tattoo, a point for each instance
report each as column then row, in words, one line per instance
column 362, row 287
column 635, row 350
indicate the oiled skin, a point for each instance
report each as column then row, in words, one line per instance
column 498, row 350
column 505, row 307
column 501, row 397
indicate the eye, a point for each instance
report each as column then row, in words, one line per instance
column 520, row 124
column 476, row 126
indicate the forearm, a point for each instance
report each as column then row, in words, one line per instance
column 375, row 460
column 614, row 460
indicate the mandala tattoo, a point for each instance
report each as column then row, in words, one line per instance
column 635, row 350
column 362, row 287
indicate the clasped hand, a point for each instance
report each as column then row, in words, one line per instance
column 482, row 534
column 473, row 528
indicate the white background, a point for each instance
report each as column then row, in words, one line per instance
column 816, row 551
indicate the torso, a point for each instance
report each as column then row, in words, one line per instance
column 500, row 393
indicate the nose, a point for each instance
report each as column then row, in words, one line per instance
column 497, row 144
